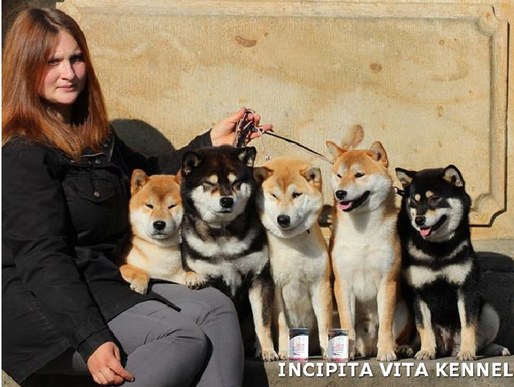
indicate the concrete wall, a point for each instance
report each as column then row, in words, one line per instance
column 428, row 79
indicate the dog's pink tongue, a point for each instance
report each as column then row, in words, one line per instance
column 425, row 231
column 344, row 205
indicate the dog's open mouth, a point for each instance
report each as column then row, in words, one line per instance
column 352, row 204
column 426, row 231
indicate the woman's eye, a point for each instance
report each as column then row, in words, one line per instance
column 77, row 58
column 359, row 174
column 53, row 62
column 148, row 205
column 296, row 195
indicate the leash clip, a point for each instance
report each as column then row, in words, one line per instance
column 399, row 191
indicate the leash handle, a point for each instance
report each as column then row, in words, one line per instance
column 243, row 129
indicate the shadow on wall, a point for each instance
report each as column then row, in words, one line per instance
column 497, row 288
column 142, row 137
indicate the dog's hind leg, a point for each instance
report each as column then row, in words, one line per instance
column 261, row 295
column 488, row 326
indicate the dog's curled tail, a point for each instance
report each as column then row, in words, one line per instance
column 353, row 138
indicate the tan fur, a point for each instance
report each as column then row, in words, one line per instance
column 366, row 253
column 300, row 265
column 147, row 256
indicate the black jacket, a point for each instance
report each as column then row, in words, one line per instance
column 62, row 222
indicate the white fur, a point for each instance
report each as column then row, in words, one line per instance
column 419, row 254
column 231, row 271
column 209, row 207
column 419, row 276
column 222, row 245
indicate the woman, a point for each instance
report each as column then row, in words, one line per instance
column 66, row 175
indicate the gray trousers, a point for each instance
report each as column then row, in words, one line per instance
column 199, row 346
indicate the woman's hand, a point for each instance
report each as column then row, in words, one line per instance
column 224, row 132
column 105, row 365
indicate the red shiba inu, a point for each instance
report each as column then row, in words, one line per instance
column 365, row 250
column 289, row 202
column 155, row 217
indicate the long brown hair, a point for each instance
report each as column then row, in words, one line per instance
column 28, row 46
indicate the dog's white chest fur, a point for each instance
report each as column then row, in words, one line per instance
column 232, row 271
column 297, row 266
column 364, row 257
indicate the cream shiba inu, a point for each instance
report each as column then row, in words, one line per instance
column 365, row 250
column 155, row 216
column 289, row 202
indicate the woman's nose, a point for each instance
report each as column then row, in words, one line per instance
column 67, row 70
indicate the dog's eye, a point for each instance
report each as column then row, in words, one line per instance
column 339, row 175
column 359, row 174
column 148, row 205
column 296, row 195
column 172, row 206
column 275, row 196
column 434, row 200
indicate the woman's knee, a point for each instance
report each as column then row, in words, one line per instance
column 217, row 302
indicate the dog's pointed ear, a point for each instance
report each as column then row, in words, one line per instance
column 190, row 161
column 138, row 181
column 405, row 176
column 378, row 153
column 178, row 177
column 334, row 150
column 261, row 173
column 312, row 175
column 247, row 155
column 453, row 176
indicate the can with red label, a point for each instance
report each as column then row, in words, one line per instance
column 298, row 344
column 337, row 345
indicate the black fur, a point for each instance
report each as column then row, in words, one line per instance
column 222, row 161
column 440, row 295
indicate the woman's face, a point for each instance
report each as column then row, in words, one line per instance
column 65, row 74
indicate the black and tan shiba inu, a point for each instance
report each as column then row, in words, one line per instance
column 223, row 241
column 155, row 210
column 365, row 251
column 289, row 203
column 440, row 267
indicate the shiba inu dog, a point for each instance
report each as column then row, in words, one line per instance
column 155, row 216
column 223, row 241
column 365, row 251
column 289, row 202
column 440, row 267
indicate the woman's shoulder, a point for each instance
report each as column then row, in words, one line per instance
column 21, row 151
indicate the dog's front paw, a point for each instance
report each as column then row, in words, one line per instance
column 466, row 355
column 405, row 351
column 386, row 355
column 139, row 285
column 194, row 280
column 424, row 354
column 269, row 355
column 283, row 355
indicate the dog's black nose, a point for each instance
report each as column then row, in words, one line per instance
column 226, row 202
column 284, row 220
column 420, row 220
column 340, row 195
column 159, row 225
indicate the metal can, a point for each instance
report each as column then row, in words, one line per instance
column 337, row 345
column 298, row 344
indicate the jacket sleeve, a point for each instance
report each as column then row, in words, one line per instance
column 167, row 163
column 35, row 228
